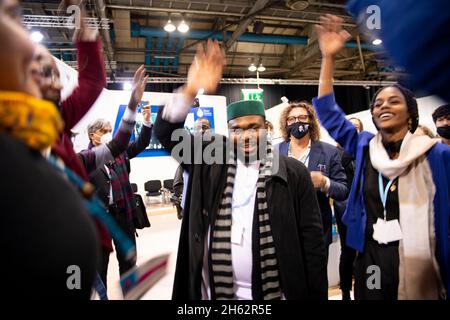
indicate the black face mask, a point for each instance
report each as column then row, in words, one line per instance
column 298, row 129
column 444, row 132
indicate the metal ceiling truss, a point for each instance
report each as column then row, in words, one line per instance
column 62, row 22
column 273, row 14
column 262, row 81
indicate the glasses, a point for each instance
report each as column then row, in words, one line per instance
column 300, row 118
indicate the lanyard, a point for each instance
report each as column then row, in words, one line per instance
column 384, row 193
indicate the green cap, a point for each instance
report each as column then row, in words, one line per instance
column 245, row 108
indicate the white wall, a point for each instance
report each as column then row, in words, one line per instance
column 151, row 168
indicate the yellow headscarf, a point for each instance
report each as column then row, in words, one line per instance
column 35, row 122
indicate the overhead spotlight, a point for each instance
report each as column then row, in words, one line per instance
column 169, row 27
column 252, row 68
column 377, row 42
column 36, row 36
column 261, row 68
column 183, row 27
column 297, row 5
column 127, row 86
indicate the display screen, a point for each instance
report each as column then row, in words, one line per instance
column 155, row 148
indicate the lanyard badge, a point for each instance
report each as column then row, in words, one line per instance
column 385, row 231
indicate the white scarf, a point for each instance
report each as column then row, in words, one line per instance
column 418, row 269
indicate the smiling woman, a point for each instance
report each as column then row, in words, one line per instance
column 397, row 216
column 394, row 112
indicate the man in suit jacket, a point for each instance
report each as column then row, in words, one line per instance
column 301, row 133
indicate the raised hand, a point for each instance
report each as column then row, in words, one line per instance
column 139, row 82
column 330, row 35
column 82, row 32
column 206, row 69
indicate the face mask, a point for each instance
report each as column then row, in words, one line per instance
column 298, row 129
column 444, row 132
column 107, row 137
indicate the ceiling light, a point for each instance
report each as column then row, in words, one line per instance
column 377, row 42
column 169, row 27
column 252, row 68
column 183, row 27
column 36, row 36
column 261, row 68
column 297, row 5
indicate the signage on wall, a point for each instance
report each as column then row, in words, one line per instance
column 155, row 148
column 253, row 94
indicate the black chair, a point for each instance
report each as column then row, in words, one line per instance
column 153, row 188
column 168, row 184
column 134, row 187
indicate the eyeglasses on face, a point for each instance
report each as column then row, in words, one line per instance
column 300, row 118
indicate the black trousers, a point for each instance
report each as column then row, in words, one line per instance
column 347, row 258
column 127, row 226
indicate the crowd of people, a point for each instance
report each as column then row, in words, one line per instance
column 256, row 221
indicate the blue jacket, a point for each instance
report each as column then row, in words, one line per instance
column 343, row 131
column 327, row 157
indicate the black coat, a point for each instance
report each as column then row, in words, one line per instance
column 44, row 229
column 294, row 216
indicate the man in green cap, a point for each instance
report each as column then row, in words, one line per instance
column 251, row 227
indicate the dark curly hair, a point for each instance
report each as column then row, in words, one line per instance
column 411, row 104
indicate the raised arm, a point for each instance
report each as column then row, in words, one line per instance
column 98, row 156
column 145, row 135
column 205, row 72
column 331, row 39
column 91, row 73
